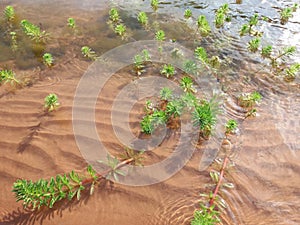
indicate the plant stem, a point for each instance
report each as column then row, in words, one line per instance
column 213, row 198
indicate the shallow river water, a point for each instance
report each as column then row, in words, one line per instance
column 265, row 151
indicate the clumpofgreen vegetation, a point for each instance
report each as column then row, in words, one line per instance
column 206, row 216
column 188, row 13
column 168, row 70
column 221, row 15
column 187, row 85
column 88, row 53
column 248, row 100
column 8, row 76
column 120, row 29
column 34, row 32
column 287, row 51
column 51, row 102
column 114, row 15
column 152, row 121
column 154, row 4
column 71, row 23
column 290, row 73
column 143, row 18
column 46, row 193
column 165, row 94
column 160, row 35
column 203, row 25
column 231, row 126
column 253, row 44
column 9, row 13
column 200, row 53
column 190, row 67
column 266, row 51
column 48, row 59
column 139, row 61
column 248, row 28
column 287, row 13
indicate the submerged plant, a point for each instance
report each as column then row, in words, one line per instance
column 48, row 59
column 253, row 44
column 165, row 94
column 9, row 13
column 190, row 67
column 143, row 18
column 201, row 54
column 205, row 117
column 114, row 15
column 8, row 76
column 203, row 25
column 287, row 51
column 187, row 85
column 188, row 13
column 51, row 102
column 290, row 73
column 266, row 51
column 285, row 15
column 34, row 32
column 248, row 28
column 221, row 15
column 154, row 4
column 175, row 108
column 168, row 70
column 113, row 164
column 139, row 61
column 71, row 23
column 88, row 53
column 13, row 41
column 160, row 35
column 249, row 100
column 152, row 121
column 231, row 126
column 206, row 216
column 120, row 29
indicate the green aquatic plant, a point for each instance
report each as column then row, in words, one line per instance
column 244, row 29
column 160, row 35
column 203, row 25
column 152, row 121
column 231, row 126
column 188, row 13
column 253, row 44
column 136, row 157
column 287, row 51
column 187, row 85
column 285, row 15
column 120, row 29
column 221, row 15
column 34, row 32
column 143, row 18
column 205, row 117
column 51, row 102
column 13, row 41
column 48, row 59
column 166, row 94
column 174, row 108
column 190, row 67
column 206, row 216
column 46, row 193
column 248, row 100
column 215, row 62
column 139, row 61
column 200, row 53
column 290, row 73
column 114, row 15
column 114, row 171
column 71, row 23
column 248, row 28
column 88, row 53
column 9, row 13
column 154, row 4
column 189, row 100
column 266, row 51
column 168, row 70
column 8, row 76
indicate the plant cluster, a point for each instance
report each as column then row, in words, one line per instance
column 8, row 76
column 168, row 70
column 116, row 22
column 48, row 59
column 287, row 13
column 169, row 108
column 88, row 53
column 188, row 13
column 139, row 61
column 231, row 126
column 221, row 15
column 34, row 32
column 143, row 18
column 154, row 4
column 248, row 27
column 9, row 13
column 51, row 102
column 203, row 25
column 249, row 101
column 72, row 24
column 253, row 44
column 201, row 54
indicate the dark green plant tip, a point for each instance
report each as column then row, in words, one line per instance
column 188, row 14
column 51, row 102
